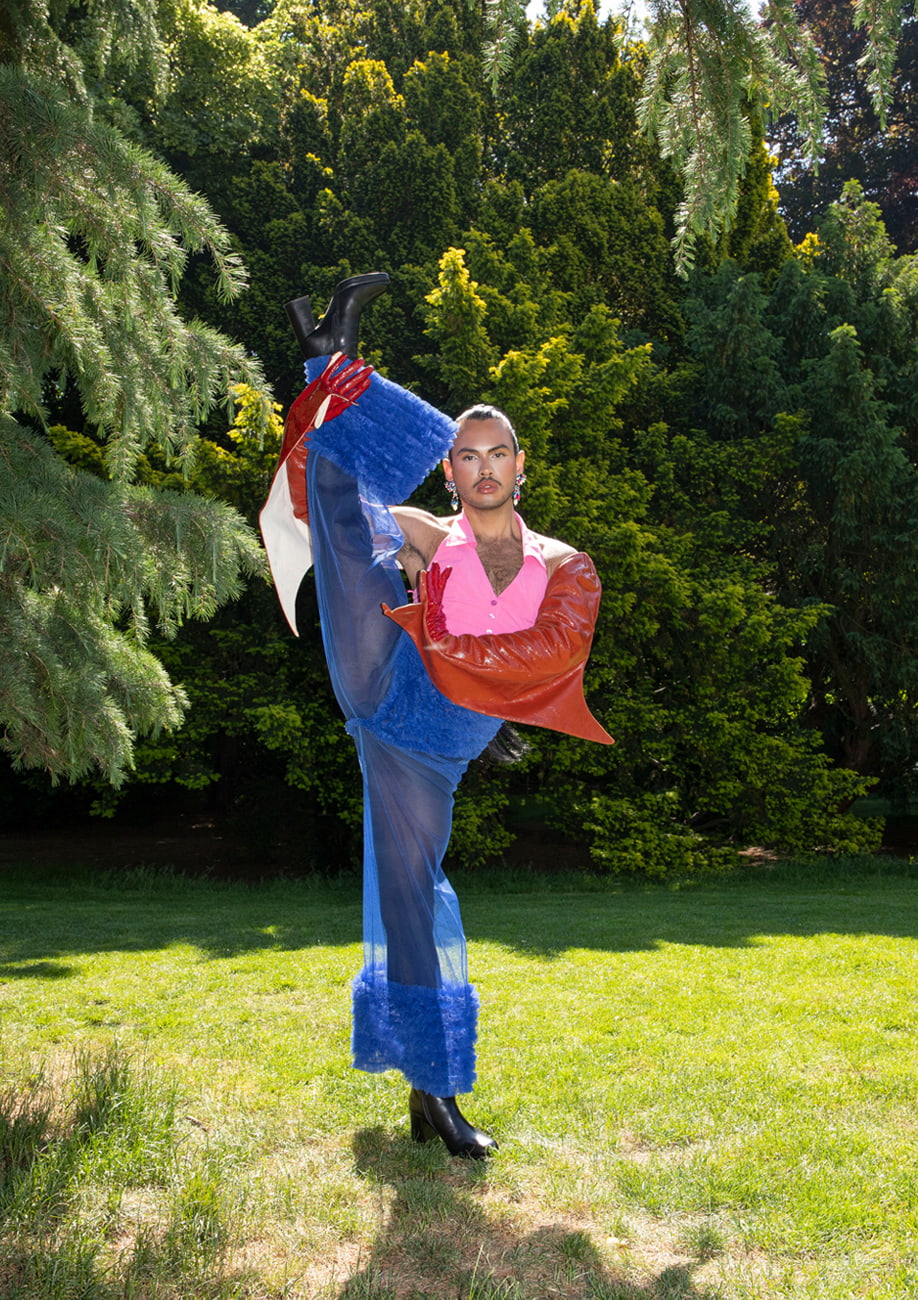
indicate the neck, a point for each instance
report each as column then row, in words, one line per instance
column 493, row 525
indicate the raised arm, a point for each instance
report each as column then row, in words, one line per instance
column 422, row 533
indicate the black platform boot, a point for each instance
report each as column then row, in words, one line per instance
column 337, row 330
column 440, row 1117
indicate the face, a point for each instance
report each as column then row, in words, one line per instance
column 484, row 465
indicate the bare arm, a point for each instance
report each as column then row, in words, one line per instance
column 422, row 533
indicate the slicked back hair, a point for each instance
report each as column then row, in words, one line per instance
column 484, row 412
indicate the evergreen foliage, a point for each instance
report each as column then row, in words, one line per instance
column 709, row 442
column 710, row 63
column 819, row 372
column 859, row 143
column 94, row 236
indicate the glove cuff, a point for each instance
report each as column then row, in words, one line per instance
column 389, row 440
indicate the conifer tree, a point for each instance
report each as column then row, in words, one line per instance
column 856, row 145
column 94, row 237
column 805, row 401
column 710, row 63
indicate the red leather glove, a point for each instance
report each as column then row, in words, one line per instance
column 535, row 675
column 336, row 388
column 431, row 585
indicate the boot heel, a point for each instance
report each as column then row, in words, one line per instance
column 420, row 1129
column 440, row 1117
column 337, row 330
column 299, row 314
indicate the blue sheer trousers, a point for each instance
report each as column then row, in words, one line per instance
column 414, row 1009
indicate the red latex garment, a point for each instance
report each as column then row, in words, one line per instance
column 339, row 385
column 533, row 676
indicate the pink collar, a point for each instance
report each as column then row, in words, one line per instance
column 461, row 533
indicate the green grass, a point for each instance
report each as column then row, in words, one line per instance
column 706, row 1091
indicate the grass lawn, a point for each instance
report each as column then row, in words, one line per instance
column 699, row 1092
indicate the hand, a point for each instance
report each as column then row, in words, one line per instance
column 339, row 386
column 424, row 620
column 534, row 675
column 432, row 584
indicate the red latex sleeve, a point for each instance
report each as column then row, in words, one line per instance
column 535, row 675
column 337, row 387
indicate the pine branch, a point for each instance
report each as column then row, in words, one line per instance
column 70, row 44
column 503, row 19
column 710, row 66
column 94, row 235
column 86, row 568
column 882, row 21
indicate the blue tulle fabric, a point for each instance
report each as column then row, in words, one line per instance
column 414, row 1009
column 389, row 440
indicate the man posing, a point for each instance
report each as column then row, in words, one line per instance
column 500, row 629
column 484, row 473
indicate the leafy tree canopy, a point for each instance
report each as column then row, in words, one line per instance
column 675, row 430
column 710, row 63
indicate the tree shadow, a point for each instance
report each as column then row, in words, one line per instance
column 49, row 970
column 860, row 896
column 45, row 923
column 441, row 1238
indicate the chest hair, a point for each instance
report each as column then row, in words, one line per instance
column 501, row 561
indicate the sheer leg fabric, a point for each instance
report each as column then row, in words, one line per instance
column 414, row 1008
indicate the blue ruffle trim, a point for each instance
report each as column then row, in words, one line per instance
column 389, row 439
column 405, row 1027
column 415, row 715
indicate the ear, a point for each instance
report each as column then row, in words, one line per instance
column 520, row 461
column 447, row 469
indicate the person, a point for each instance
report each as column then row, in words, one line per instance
column 499, row 628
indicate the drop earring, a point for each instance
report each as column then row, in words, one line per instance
column 520, row 480
column 453, row 493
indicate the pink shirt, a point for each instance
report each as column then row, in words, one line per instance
column 470, row 602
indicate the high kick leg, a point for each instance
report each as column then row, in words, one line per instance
column 414, row 1009
column 337, row 330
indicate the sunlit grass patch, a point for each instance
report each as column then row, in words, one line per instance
column 705, row 1093
column 96, row 1181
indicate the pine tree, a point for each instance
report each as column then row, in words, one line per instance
column 94, row 237
column 712, row 62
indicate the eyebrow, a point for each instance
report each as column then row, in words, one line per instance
column 499, row 446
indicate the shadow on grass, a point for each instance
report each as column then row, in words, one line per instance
column 440, row 1239
column 49, row 970
column 44, row 921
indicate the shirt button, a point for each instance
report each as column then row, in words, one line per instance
column 493, row 602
